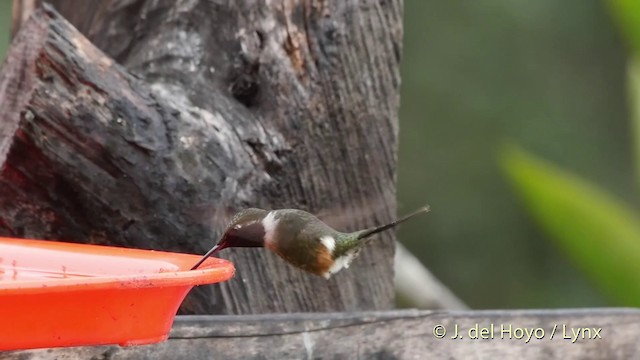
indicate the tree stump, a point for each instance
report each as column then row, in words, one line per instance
column 199, row 109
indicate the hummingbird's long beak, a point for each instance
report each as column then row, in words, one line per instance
column 213, row 250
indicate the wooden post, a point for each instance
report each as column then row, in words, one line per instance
column 233, row 104
column 408, row 334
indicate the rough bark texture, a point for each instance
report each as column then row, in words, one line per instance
column 259, row 103
column 387, row 335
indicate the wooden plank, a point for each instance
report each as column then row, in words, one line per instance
column 270, row 104
column 402, row 334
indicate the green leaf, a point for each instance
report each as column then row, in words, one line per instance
column 626, row 14
column 633, row 93
column 598, row 232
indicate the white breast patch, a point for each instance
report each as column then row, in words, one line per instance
column 270, row 223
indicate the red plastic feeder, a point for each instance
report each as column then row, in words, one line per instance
column 62, row 294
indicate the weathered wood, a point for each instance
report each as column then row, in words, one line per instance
column 384, row 335
column 270, row 104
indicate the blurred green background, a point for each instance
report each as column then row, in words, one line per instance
column 5, row 25
column 548, row 75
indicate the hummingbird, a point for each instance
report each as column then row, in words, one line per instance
column 298, row 237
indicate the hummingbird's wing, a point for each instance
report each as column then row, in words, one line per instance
column 353, row 217
column 216, row 218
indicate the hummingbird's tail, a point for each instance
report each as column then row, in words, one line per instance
column 366, row 233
